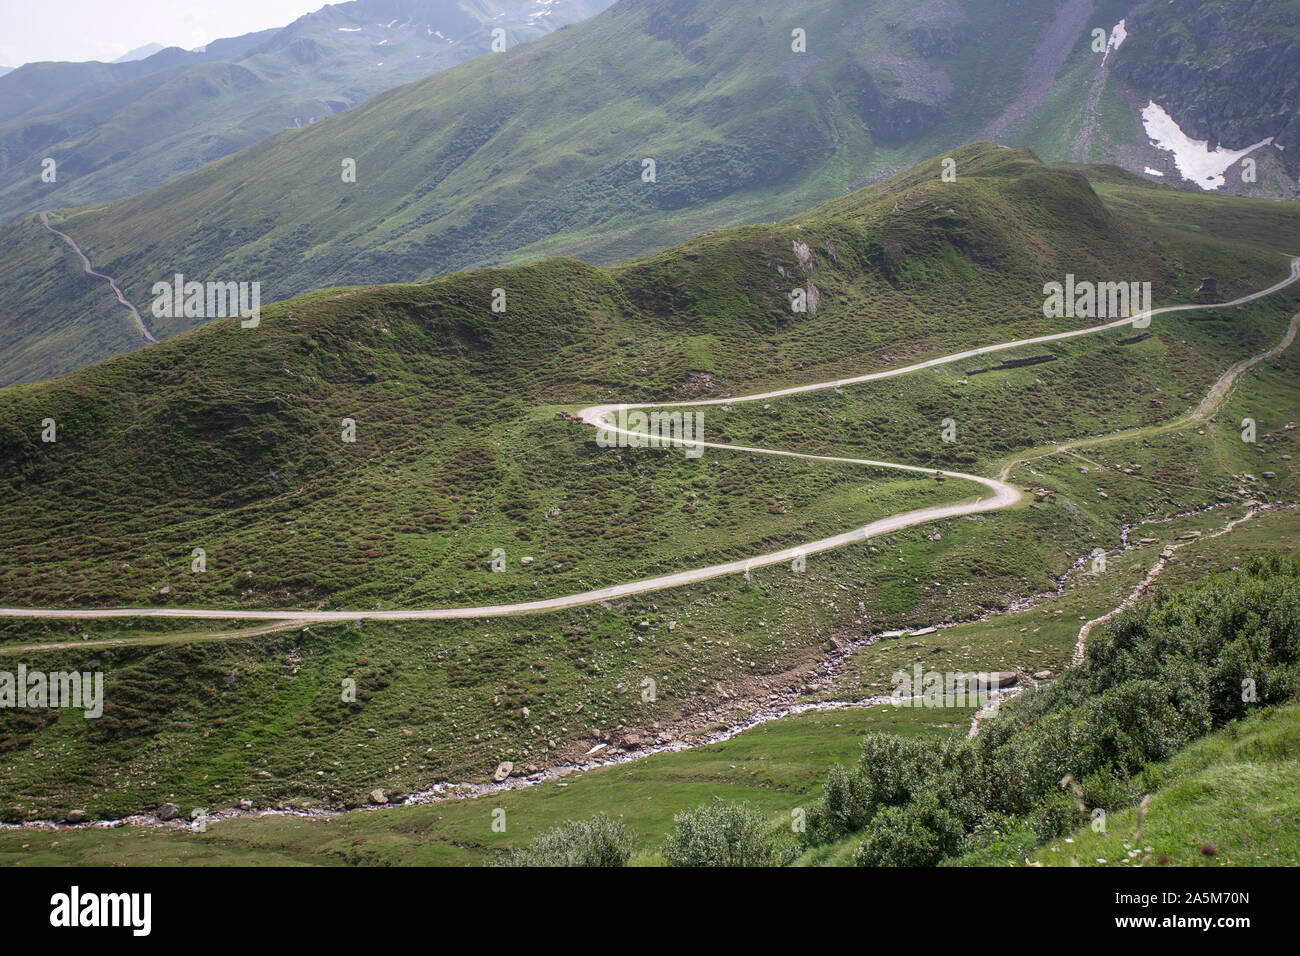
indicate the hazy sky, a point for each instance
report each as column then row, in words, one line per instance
column 105, row 29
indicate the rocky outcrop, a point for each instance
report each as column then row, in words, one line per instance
column 1225, row 71
column 892, row 119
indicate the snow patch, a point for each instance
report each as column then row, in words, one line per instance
column 1193, row 157
column 349, row 29
column 1152, row 172
column 1118, row 34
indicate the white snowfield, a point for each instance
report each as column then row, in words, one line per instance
column 1195, row 160
column 1118, row 34
column 1003, row 495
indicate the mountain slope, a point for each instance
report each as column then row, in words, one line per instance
column 438, row 380
column 1179, row 84
column 231, row 440
column 120, row 129
column 541, row 150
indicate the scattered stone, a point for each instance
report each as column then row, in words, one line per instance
column 245, row 804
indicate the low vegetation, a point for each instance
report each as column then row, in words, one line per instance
column 1159, row 677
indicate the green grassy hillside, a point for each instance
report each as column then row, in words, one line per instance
column 775, row 768
column 230, row 440
column 117, row 129
column 1228, row 800
column 227, row 438
column 539, row 151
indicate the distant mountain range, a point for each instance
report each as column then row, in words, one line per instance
column 640, row 127
column 116, row 129
column 140, row 52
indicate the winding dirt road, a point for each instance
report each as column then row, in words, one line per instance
column 85, row 262
column 1003, row 495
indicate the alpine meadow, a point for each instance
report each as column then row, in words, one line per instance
column 661, row 433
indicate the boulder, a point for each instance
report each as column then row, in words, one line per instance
column 169, row 811
column 504, row 769
column 378, row 797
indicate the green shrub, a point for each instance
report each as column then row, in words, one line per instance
column 1160, row 676
column 844, row 808
column 724, row 834
column 600, row 841
column 1107, row 791
column 892, row 768
column 1054, row 815
column 919, row 833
